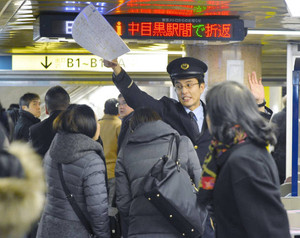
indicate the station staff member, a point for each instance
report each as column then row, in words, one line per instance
column 187, row 75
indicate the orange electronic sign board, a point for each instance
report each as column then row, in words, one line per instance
column 152, row 27
column 183, row 28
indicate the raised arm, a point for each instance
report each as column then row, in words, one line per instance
column 257, row 90
column 114, row 65
column 134, row 97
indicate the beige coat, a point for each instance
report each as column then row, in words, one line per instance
column 22, row 199
column 109, row 132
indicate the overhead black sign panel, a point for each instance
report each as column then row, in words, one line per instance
column 156, row 27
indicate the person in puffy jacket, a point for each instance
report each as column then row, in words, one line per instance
column 83, row 167
column 147, row 143
column 22, row 186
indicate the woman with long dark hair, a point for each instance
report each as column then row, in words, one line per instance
column 239, row 175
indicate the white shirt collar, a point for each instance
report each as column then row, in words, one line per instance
column 199, row 113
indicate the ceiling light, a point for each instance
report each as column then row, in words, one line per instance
column 20, row 27
column 21, row 11
column 26, row 19
column 293, row 7
column 24, row 16
column 27, row 7
column 28, row 2
column 273, row 32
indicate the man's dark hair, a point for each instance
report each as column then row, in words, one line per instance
column 7, row 123
column 77, row 119
column 27, row 98
column 57, row 98
column 120, row 96
column 13, row 112
column 143, row 115
column 13, row 106
column 200, row 79
column 111, row 107
column 229, row 104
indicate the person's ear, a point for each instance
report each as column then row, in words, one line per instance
column 25, row 108
column 47, row 112
column 202, row 87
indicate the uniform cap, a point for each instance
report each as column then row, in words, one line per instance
column 186, row 67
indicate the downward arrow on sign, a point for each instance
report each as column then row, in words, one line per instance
column 46, row 65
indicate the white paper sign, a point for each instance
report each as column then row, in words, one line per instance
column 235, row 70
column 92, row 32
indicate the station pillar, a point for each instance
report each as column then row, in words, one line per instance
column 227, row 62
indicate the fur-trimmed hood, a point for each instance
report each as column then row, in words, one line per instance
column 21, row 199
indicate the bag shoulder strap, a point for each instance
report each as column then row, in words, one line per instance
column 171, row 146
column 73, row 202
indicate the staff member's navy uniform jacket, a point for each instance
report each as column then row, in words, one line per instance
column 170, row 110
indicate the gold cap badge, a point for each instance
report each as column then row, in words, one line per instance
column 184, row 66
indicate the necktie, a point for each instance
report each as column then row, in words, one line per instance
column 194, row 122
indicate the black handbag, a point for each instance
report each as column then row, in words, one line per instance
column 115, row 226
column 169, row 188
column 74, row 204
column 115, row 222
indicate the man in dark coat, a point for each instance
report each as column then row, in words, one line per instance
column 30, row 111
column 279, row 152
column 41, row 134
column 187, row 75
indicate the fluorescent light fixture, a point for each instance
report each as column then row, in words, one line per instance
column 21, row 11
column 25, row 16
column 28, row 2
column 274, row 32
column 293, row 7
column 26, row 19
column 20, row 27
column 27, row 7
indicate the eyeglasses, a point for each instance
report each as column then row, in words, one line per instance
column 121, row 103
column 179, row 87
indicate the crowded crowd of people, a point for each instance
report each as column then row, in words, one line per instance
column 94, row 169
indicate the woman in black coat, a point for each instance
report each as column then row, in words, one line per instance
column 239, row 175
column 147, row 143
